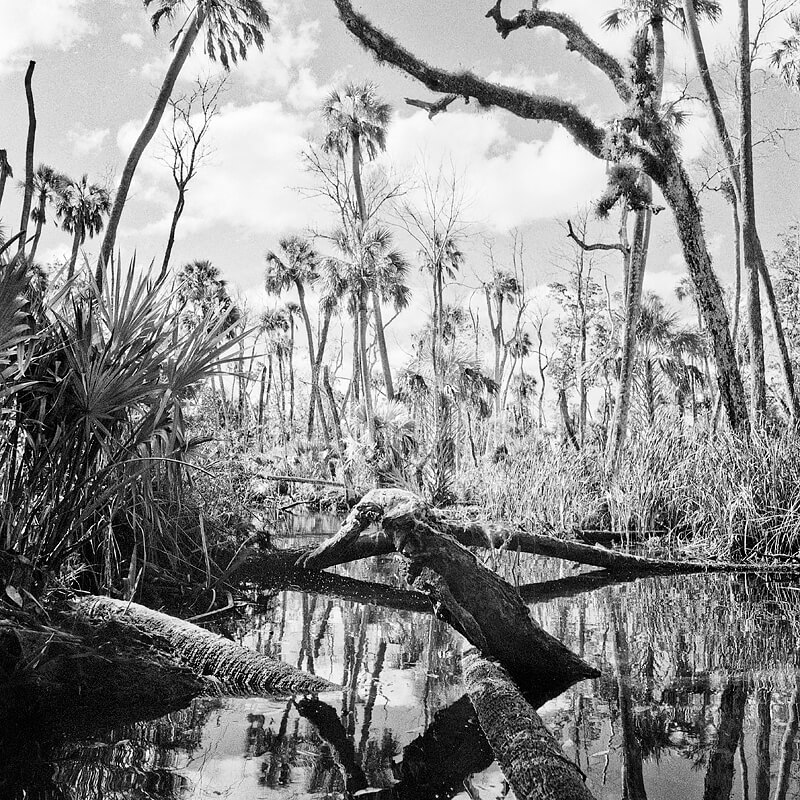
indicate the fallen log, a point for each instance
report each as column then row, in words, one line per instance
column 529, row 756
column 71, row 677
column 235, row 668
column 349, row 543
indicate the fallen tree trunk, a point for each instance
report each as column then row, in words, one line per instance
column 234, row 667
column 349, row 543
column 529, row 756
column 72, row 677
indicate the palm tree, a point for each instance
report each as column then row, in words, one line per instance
column 47, row 185
column 443, row 257
column 81, row 207
column 297, row 265
column 649, row 15
column 357, row 121
column 786, row 57
column 229, row 28
column 664, row 347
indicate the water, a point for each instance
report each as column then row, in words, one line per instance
column 698, row 698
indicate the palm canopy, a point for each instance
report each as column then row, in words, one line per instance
column 634, row 11
column 47, row 184
column 356, row 114
column 230, row 26
column 786, row 58
column 81, row 207
column 295, row 262
column 442, row 253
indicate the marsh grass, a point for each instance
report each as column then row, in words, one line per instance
column 690, row 491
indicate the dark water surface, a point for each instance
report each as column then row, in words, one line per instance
column 699, row 698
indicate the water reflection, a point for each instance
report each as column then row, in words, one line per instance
column 699, row 698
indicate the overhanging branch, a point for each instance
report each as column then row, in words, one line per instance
column 577, row 40
column 589, row 135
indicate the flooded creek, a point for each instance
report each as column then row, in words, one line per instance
column 698, row 698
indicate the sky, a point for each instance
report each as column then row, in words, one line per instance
column 99, row 66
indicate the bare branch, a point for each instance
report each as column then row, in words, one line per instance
column 435, row 107
column 596, row 246
column 577, row 40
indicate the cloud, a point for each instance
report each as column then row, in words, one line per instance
column 135, row 40
column 34, row 25
column 282, row 66
column 85, row 141
column 249, row 183
column 509, row 182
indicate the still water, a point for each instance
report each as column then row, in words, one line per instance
column 699, row 698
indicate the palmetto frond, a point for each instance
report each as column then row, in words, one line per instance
column 295, row 262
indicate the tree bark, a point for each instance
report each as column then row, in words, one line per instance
column 750, row 241
column 147, row 133
column 634, row 270
column 380, row 335
column 528, row 754
column 236, row 668
column 176, row 215
column 73, row 258
column 39, row 224
column 735, row 178
column 29, row 145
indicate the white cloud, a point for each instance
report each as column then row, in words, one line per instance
column 509, row 182
column 134, row 40
column 33, row 25
column 85, row 141
column 521, row 78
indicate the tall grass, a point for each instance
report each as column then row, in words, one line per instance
column 92, row 437
column 713, row 494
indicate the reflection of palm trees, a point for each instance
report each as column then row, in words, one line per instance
column 719, row 774
column 632, row 778
column 788, row 743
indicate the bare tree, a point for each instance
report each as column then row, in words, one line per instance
column 186, row 150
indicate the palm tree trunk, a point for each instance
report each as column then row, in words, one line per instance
column 365, row 372
column 315, row 373
column 381, row 338
column 28, row 196
column 291, row 376
column 737, row 293
column 565, row 418
column 38, row 234
column 176, row 215
column 750, row 241
column 149, row 130
column 355, row 381
column 73, row 259
column 633, row 307
column 262, row 386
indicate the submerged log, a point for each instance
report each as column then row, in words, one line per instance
column 235, row 668
column 529, row 756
